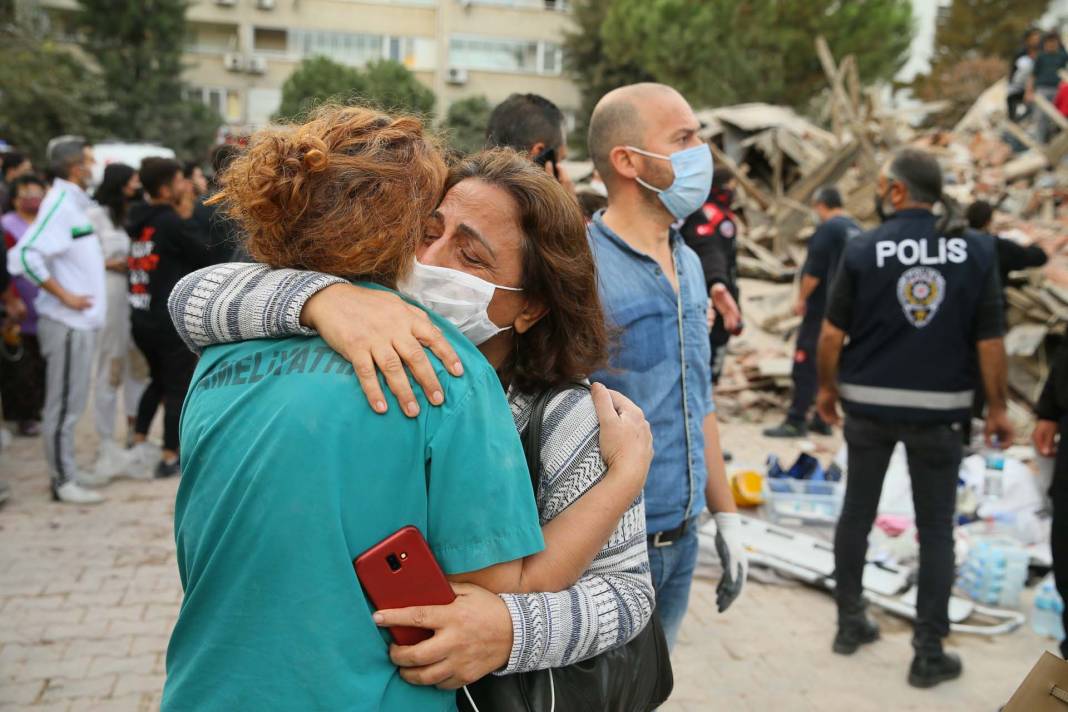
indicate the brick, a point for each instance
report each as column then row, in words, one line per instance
column 63, row 689
column 52, row 616
column 44, row 669
column 161, row 611
column 59, row 706
column 126, row 703
column 85, row 629
column 147, row 627
column 148, row 644
column 151, row 683
column 20, row 693
column 27, row 603
column 95, row 598
column 115, row 646
column 142, row 664
column 116, row 613
column 11, row 653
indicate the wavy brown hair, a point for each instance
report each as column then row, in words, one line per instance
column 347, row 192
column 571, row 341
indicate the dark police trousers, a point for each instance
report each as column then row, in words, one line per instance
column 1059, row 534
column 934, row 455
column 804, row 370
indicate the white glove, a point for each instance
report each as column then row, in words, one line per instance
column 732, row 556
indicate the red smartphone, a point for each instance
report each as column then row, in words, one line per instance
column 399, row 572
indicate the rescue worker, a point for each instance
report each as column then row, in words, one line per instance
column 711, row 233
column 922, row 311
column 821, row 265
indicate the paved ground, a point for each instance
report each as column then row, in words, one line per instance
column 89, row 595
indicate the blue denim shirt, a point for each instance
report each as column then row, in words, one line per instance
column 662, row 363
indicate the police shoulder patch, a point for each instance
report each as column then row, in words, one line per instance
column 726, row 228
column 920, row 291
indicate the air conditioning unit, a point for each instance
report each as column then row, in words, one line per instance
column 456, row 75
column 226, row 3
column 233, row 62
column 265, row 4
column 257, row 65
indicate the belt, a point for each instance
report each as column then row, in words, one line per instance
column 669, row 537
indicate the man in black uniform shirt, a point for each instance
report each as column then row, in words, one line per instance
column 821, row 265
column 923, row 314
column 711, row 233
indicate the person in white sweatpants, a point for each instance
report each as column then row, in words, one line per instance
column 115, row 370
column 60, row 252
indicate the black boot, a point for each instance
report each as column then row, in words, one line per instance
column 789, row 429
column 854, row 631
column 928, row 671
column 817, row 426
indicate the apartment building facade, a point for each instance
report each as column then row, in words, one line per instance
column 239, row 52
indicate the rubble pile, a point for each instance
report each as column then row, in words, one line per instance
column 779, row 160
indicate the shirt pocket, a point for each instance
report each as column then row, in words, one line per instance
column 642, row 337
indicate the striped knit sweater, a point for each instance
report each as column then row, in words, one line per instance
column 611, row 602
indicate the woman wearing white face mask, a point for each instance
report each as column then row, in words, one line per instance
column 505, row 259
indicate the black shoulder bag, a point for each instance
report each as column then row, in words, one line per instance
column 635, row 677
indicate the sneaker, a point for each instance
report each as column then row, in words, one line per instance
column 789, row 429
column 28, row 428
column 854, row 632
column 168, row 469
column 111, row 461
column 928, row 671
column 142, row 459
column 73, row 493
column 817, row 426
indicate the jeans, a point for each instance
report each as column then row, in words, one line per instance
column 804, row 370
column 672, row 570
column 934, row 454
column 1046, row 127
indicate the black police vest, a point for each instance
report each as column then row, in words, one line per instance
column 911, row 353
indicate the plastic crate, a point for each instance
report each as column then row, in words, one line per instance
column 807, row 500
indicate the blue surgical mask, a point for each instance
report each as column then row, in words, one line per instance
column 693, row 179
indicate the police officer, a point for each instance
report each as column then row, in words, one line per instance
column 711, row 232
column 923, row 315
column 821, row 265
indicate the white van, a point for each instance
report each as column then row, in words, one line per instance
column 129, row 153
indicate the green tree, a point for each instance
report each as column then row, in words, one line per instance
column 982, row 28
column 391, row 86
column 46, row 92
column 595, row 73
column 385, row 84
column 721, row 52
column 465, row 123
column 137, row 45
column 314, row 81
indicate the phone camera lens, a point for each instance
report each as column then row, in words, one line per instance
column 394, row 562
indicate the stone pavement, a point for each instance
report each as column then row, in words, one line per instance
column 88, row 596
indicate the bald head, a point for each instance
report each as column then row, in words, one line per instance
column 627, row 116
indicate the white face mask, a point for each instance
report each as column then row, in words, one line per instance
column 460, row 297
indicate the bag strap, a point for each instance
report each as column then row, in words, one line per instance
column 531, row 436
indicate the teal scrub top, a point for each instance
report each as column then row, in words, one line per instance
column 288, row 475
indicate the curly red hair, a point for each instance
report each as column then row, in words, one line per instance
column 347, row 192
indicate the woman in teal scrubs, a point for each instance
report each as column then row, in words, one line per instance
column 288, row 476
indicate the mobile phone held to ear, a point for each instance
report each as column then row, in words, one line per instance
column 400, row 572
column 547, row 155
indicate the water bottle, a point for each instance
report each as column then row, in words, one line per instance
column 993, row 479
column 1047, row 616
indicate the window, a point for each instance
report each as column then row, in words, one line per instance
column 269, row 41
column 212, row 38
column 348, row 48
column 504, row 55
column 227, row 102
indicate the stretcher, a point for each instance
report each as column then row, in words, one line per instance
column 889, row 587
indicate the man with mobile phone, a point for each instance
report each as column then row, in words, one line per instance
column 533, row 125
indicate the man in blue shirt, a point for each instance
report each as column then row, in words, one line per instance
column 643, row 140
